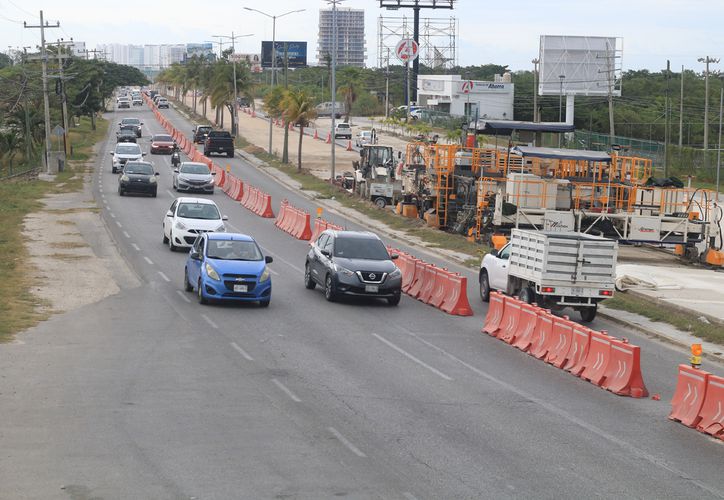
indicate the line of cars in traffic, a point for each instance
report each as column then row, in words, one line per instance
column 230, row 266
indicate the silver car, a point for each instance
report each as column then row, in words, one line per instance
column 193, row 176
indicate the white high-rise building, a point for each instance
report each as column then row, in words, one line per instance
column 351, row 50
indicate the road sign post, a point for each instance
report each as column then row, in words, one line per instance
column 467, row 87
column 407, row 50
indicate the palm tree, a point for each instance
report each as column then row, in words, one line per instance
column 299, row 110
column 348, row 79
column 222, row 88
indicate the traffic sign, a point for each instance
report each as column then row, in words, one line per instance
column 407, row 50
column 58, row 131
column 467, row 87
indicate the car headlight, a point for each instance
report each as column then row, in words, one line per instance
column 264, row 275
column 124, row 178
column 220, row 229
column 211, row 272
column 395, row 273
column 180, row 225
column 343, row 270
column 152, row 180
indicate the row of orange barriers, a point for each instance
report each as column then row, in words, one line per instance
column 698, row 401
column 294, row 221
column 232, row 186
column 610, row 363
column 438, row 287
column 257, row 201
column 321, row 225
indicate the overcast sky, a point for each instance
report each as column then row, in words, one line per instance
column 490, row 31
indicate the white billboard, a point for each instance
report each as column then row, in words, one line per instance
column 580, row 65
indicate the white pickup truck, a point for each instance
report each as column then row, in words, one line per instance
column 553, row 269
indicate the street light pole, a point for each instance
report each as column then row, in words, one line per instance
column 718, row 149
column 234, row 113
column 273, row 55
column 334, row 80
column 706, row 60
column 535, row 89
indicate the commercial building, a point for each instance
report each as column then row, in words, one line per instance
column 451, row 94
column 351, row 48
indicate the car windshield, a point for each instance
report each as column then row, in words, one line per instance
column 138, row 168
column 360, row 248
column 203, row 129
column 130, row 121
column 128, row 128
column 342, row 125
column 193, row 168
column 128, row 149
column 233, row 250
column 204, row 211
column 162, row 138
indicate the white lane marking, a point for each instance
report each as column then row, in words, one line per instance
column 296, row 268
column 571, row 418
column 286, row 391
column 183, row 296
column 136, row 247
column 148, row 260
column 411, row 357
column 346, row 442
column 273, row 271
column 103, row 196
column 171, row 194
column 166, row 278
column 242, row 351
column 210, row 321
column 125, row 233
column 119, row 224
column 111, row 213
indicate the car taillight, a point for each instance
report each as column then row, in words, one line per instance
column 607, row 293
column 547, row 289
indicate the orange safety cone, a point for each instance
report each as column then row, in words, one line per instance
column 329, row 138
column 316, row 135
column 349, row 145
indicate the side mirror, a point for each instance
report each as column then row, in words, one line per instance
column 224, row 217
column 213, row 173
column 268, row 259
column 175, row 171
column 156, row 173
column 143, row 154
column 141, row 123
column 119, row 123
column 326, row 253
column 394, row 256
column 111, row 153
column 494, row 252
column 194, row 255
column 169, row 214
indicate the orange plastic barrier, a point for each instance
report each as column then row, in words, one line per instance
column 623, row 374
column 428, row 284
column 581, row 339
column 599, row 354
column 440, row 286
column 292, row 220
column 526, row 326
column 495, row 313
column 542, row 335
column 689, row 396
column 408, row 275
column 418, row 280
column 712, row 410
column 562, row 338
column 509, row 323
column 456, row 298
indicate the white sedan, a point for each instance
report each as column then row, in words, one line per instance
column 189, row 217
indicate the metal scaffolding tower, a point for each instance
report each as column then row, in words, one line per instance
column 438, row 39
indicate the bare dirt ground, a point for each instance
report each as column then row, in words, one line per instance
column 73, row 260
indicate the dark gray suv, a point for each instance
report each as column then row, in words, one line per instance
column 352, row 263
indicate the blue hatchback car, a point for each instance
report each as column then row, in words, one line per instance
column 228, row 266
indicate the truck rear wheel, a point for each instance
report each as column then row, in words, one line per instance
column 527, row 295
column 588, row 313
column 380, row 202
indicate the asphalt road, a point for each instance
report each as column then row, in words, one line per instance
column 148, row 394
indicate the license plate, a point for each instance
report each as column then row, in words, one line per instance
column 240, row 288
column 576, row 290
column 372, row 288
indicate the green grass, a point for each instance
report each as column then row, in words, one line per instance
column 19, row 308
column 655, row 311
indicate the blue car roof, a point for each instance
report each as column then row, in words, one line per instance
column 230, row 236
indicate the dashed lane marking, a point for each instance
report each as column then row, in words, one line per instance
column 210, row 321
column 412, row 358
column 286, row 391
column 183, row 296
column 166, row 278
column 148, row 260
column 242, row 351
column 346, row 442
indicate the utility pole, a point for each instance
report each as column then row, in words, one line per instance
column 234, row 113
column 334, row 80
column 535, row 62
column 387, row 85
column 706, row 60
column 681, row 111
column 718, row 149
column 46, row 102
column 666, row 121
column 63, row 97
